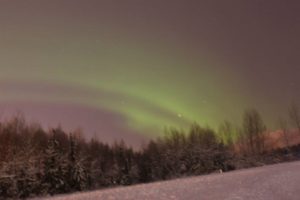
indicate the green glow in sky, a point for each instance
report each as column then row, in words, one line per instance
column 151, row 90
column 150, row 64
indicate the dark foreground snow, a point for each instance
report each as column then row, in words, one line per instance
column 275, row 182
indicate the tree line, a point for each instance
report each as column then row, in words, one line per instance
column 35, row 162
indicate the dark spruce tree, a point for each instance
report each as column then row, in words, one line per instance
column 54, row 169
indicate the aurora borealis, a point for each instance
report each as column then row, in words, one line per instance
column 128, row 69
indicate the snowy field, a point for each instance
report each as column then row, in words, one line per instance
column 274, row 182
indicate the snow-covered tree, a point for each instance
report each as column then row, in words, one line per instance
column 19, row 176
column 54, row 169
column 76, row 175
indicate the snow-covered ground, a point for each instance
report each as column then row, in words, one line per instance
column 274, row 182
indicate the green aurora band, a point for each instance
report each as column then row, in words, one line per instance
column 156, row 71
column 154, row 89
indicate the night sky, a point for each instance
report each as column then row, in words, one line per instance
column 128, row 69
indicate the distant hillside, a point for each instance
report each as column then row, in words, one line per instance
column 276, row 139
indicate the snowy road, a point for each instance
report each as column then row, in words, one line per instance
column 275, row 182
